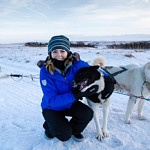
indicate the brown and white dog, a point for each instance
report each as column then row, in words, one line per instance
column 135, row 80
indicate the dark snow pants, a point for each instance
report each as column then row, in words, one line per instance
column 61, row 127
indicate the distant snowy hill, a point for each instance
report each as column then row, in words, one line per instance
column 127, row 37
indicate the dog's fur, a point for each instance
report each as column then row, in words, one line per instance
column 95, row 78
column 135, row 80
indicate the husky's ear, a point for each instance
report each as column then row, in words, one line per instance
column 95, row 67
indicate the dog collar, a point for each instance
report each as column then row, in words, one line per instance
column 103, row 72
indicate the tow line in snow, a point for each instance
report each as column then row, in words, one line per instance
column 19, row 76
column 127, row 94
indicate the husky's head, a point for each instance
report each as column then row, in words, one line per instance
column 87, row 77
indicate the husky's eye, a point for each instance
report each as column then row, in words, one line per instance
column 85, row 82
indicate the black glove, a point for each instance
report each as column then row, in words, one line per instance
column 78, row 94
column 109, row 87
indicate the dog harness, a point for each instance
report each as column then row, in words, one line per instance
column 123, row 69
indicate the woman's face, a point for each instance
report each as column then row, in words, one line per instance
column 59, row 54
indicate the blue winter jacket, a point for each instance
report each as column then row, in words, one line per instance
column 56, row 88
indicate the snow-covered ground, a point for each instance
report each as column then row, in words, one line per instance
column 20, row 98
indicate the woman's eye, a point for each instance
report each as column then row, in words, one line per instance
column 62, row 51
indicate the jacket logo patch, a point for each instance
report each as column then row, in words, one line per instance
column 44, row 82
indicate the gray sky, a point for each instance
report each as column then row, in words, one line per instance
column 26, row 20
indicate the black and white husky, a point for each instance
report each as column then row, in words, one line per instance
column 135, row 80
column 85, row 78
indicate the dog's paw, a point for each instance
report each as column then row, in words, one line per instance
column 100, row 137
column 105, row 132
column 128, row 121
column 141, row 117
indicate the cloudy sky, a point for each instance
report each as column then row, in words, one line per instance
column 26, row 20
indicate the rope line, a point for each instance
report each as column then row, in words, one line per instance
column 127, row 94
column 19, row 76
